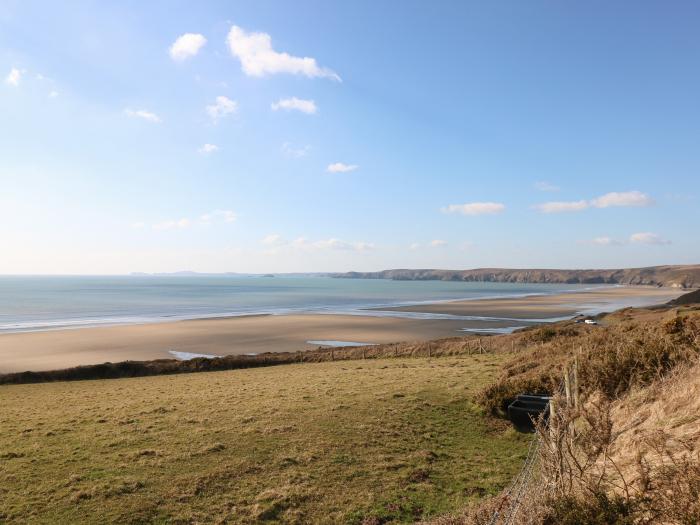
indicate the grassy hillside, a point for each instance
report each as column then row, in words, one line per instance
column 335, row 442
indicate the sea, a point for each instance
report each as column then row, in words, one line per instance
column 37, row 303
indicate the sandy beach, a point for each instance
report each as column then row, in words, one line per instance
column 270, row 333
column 552, row 306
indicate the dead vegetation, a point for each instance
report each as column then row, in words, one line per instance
column 629, row 451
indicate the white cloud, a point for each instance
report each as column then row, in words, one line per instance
column 13, row 77
column 546, row 186
column 290, row 151
column 170, row 225
column 53, row 94
column 475, row 208
column 138, row 225
column 222, row 107
column 626, row 198
column 609, row 200
column 339, row 167
column 294, row 103
column 437, row 243
column 562, row 206
column 207, row 149
column 227, row 216
column 414, row 246
column 258, row 59
column 648, row 238
column 142, row 114
column 186, row 46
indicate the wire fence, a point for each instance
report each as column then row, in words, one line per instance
column 513, row 497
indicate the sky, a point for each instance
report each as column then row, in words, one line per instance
column 274, row 136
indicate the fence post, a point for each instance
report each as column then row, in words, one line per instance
column 552, row 417
column 332, row 354
column 567, row 386
column 575, row 381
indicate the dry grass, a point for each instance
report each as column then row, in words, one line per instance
column 629, row 453
column 338, row 442
column 634, row 348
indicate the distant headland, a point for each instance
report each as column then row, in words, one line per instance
column 676, row 276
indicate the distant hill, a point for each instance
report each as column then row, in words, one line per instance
column 688, row 298
column 680, row 276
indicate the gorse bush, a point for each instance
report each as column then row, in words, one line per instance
column 612, row 359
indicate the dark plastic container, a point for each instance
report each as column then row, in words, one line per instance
column 526, row 409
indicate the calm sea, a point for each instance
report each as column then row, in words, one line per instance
column 42, row 303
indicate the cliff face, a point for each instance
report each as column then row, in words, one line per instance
column 687, row 276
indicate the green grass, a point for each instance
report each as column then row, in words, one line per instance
column 387, row 440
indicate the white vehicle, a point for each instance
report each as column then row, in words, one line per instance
column 590, row 321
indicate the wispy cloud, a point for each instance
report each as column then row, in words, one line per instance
column 276, row 241
column 605, row 241
column 186, row 46
column 208, row 149
column 258, row 58
column 53, row 93
column 295, row 104
column 206, row 219
column 475, row 208
column 172, row 224
column 13, row 77
column 338, row 244
column 609, row 200
column 546, row 186
column 437, row 243
column 635, row 238
column 222, row 107
column 648, row 238
column 227, row 216
column 562, row 206
column 340, row 167
column 290, row 151
column 142, row 114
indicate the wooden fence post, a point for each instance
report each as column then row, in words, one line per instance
column 567, row 386
column 575, row 382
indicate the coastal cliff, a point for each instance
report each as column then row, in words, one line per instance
column 680, row 276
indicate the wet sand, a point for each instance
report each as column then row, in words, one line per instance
column 552, row 306
column 279, row 333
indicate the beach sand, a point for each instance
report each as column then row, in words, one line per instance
column 549, row 306
column 278, row 333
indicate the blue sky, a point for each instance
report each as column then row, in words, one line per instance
column 327, row 136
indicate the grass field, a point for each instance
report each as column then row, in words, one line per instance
column 375, row 441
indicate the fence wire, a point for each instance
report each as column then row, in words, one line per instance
column 513, row 496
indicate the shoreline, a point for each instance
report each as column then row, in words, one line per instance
column 239, row 335
column 397, row 309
